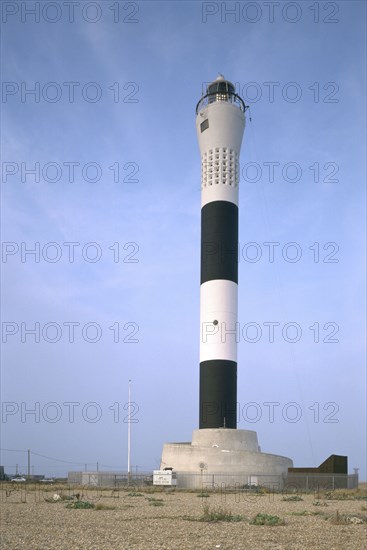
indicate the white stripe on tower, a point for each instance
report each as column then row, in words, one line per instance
column 220, row 124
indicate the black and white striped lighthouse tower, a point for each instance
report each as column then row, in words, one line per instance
column 215, row 450
column 220, row 123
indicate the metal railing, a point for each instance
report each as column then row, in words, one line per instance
column 318, row 481
column 224, row 482
column 221, row 97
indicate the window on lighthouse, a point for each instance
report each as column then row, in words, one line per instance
column 222, row 97
column 204, row 125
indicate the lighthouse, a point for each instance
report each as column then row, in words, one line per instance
column 220, row 452
column 220, row 123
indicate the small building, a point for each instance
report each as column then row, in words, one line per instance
column 331, row 474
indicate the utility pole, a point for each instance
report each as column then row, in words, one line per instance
column 29, row 464
column 129, row 436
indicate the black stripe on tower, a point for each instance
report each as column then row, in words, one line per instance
column 219, row 241
column 218, row 394
column 219, row 260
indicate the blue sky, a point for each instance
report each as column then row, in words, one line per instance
column 160, row 64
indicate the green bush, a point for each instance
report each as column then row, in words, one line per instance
column 80, row 504
column 155, row 501
column 265, row 519
column 218, row 514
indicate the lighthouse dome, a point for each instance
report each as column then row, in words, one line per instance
column 220, row 86
column 220, row 91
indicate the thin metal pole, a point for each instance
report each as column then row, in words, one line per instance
column 129, row 435
column 29, row 464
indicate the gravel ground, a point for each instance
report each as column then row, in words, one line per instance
column 29, row 522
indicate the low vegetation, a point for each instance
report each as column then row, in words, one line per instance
column 155, row 501
column 266, row 519
column 215, row 514
column 101, row 506
column 307, row 513
column 80, row 504
column 345, row 494
column 347, row 519
column 320, row 503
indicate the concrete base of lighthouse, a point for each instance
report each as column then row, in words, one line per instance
column 224, row 456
